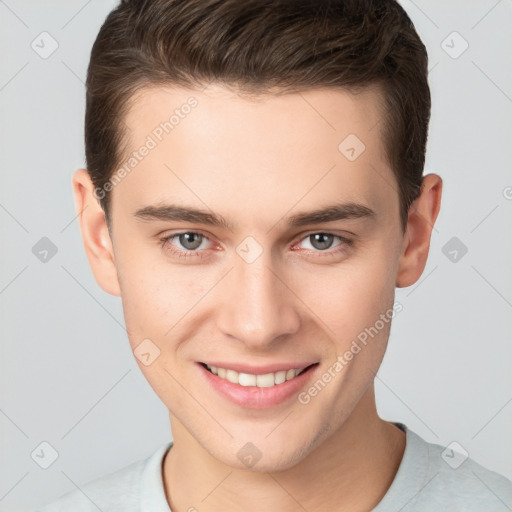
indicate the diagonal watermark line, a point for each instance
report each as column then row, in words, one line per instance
column 301, row 198
column 382, row 117
column 491, row 490
column 111, row 388
column 14, row 423
column 384, row 178
column 14, row 485
column 72, row 72
column 484, row 218
column 206, row 86
column 317, row 111
column 377, row 377
column 486, row 14
column 416, row 494
column 3, row 2
column 14, row 76
column 73, row 219
column 199, row 403
column 75, row 15
column 101, row 510
column 432, row 226
column 13, row 217
column 426, row 277
column 433, row 67
column 94, row 298
column 287, row 492
column 491, row 285
column 326, row 325
column 13, row 279
column 216, row 487
column 279, row 423
column 200, row 299
column 501, row 408
column 424, row 13
column 492, row 81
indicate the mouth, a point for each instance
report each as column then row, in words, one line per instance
column 261, row 380
column 257, row 388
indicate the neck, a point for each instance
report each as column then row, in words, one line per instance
column 351, row 470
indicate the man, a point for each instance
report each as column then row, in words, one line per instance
column 254, row 193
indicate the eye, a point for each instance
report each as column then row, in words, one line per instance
column 190, row 242
column 321, row 242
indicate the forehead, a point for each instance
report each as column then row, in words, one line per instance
column 310, row 147
column 314, row 112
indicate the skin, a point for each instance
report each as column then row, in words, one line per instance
column 256, row 163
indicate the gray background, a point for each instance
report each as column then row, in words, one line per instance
column 67, row 374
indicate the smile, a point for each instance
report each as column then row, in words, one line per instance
column 265, row 380
column 257, row 387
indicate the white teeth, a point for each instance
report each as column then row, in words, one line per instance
column 246, row 379
column 280, row 377
column 232, row 376
column 266, row 380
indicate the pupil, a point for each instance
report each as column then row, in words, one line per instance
column 185, row 240
column 321, row 240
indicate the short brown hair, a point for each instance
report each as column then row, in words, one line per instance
column 257, row 46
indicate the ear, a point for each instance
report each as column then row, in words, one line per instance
column 422, row 216
column 95, row 234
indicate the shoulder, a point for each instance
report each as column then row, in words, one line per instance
column 463, row 482
column 119, row 491
column 435, row 477
column 121, row 486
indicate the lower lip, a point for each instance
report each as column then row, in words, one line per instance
column 254, row 397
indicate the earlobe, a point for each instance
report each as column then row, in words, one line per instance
column 422, row 216
column 95, row 235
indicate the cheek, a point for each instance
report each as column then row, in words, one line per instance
column 350, row 296
column 159, row 297
column 343, row 298
column 146, row 294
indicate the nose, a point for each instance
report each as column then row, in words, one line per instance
column 256, row 305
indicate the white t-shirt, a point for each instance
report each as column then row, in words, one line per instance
column 430, row 478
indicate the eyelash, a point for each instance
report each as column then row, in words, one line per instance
column 165, row 241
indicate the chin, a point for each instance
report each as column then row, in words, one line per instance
column 269, row 463
column 266, row 455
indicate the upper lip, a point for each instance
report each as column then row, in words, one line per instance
column 260, row 370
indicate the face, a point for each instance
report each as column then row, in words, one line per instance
column 257, row 287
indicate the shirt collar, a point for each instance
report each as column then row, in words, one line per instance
column 412, row 468
column 152, row 495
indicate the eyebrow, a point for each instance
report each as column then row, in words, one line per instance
column 170, row 212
